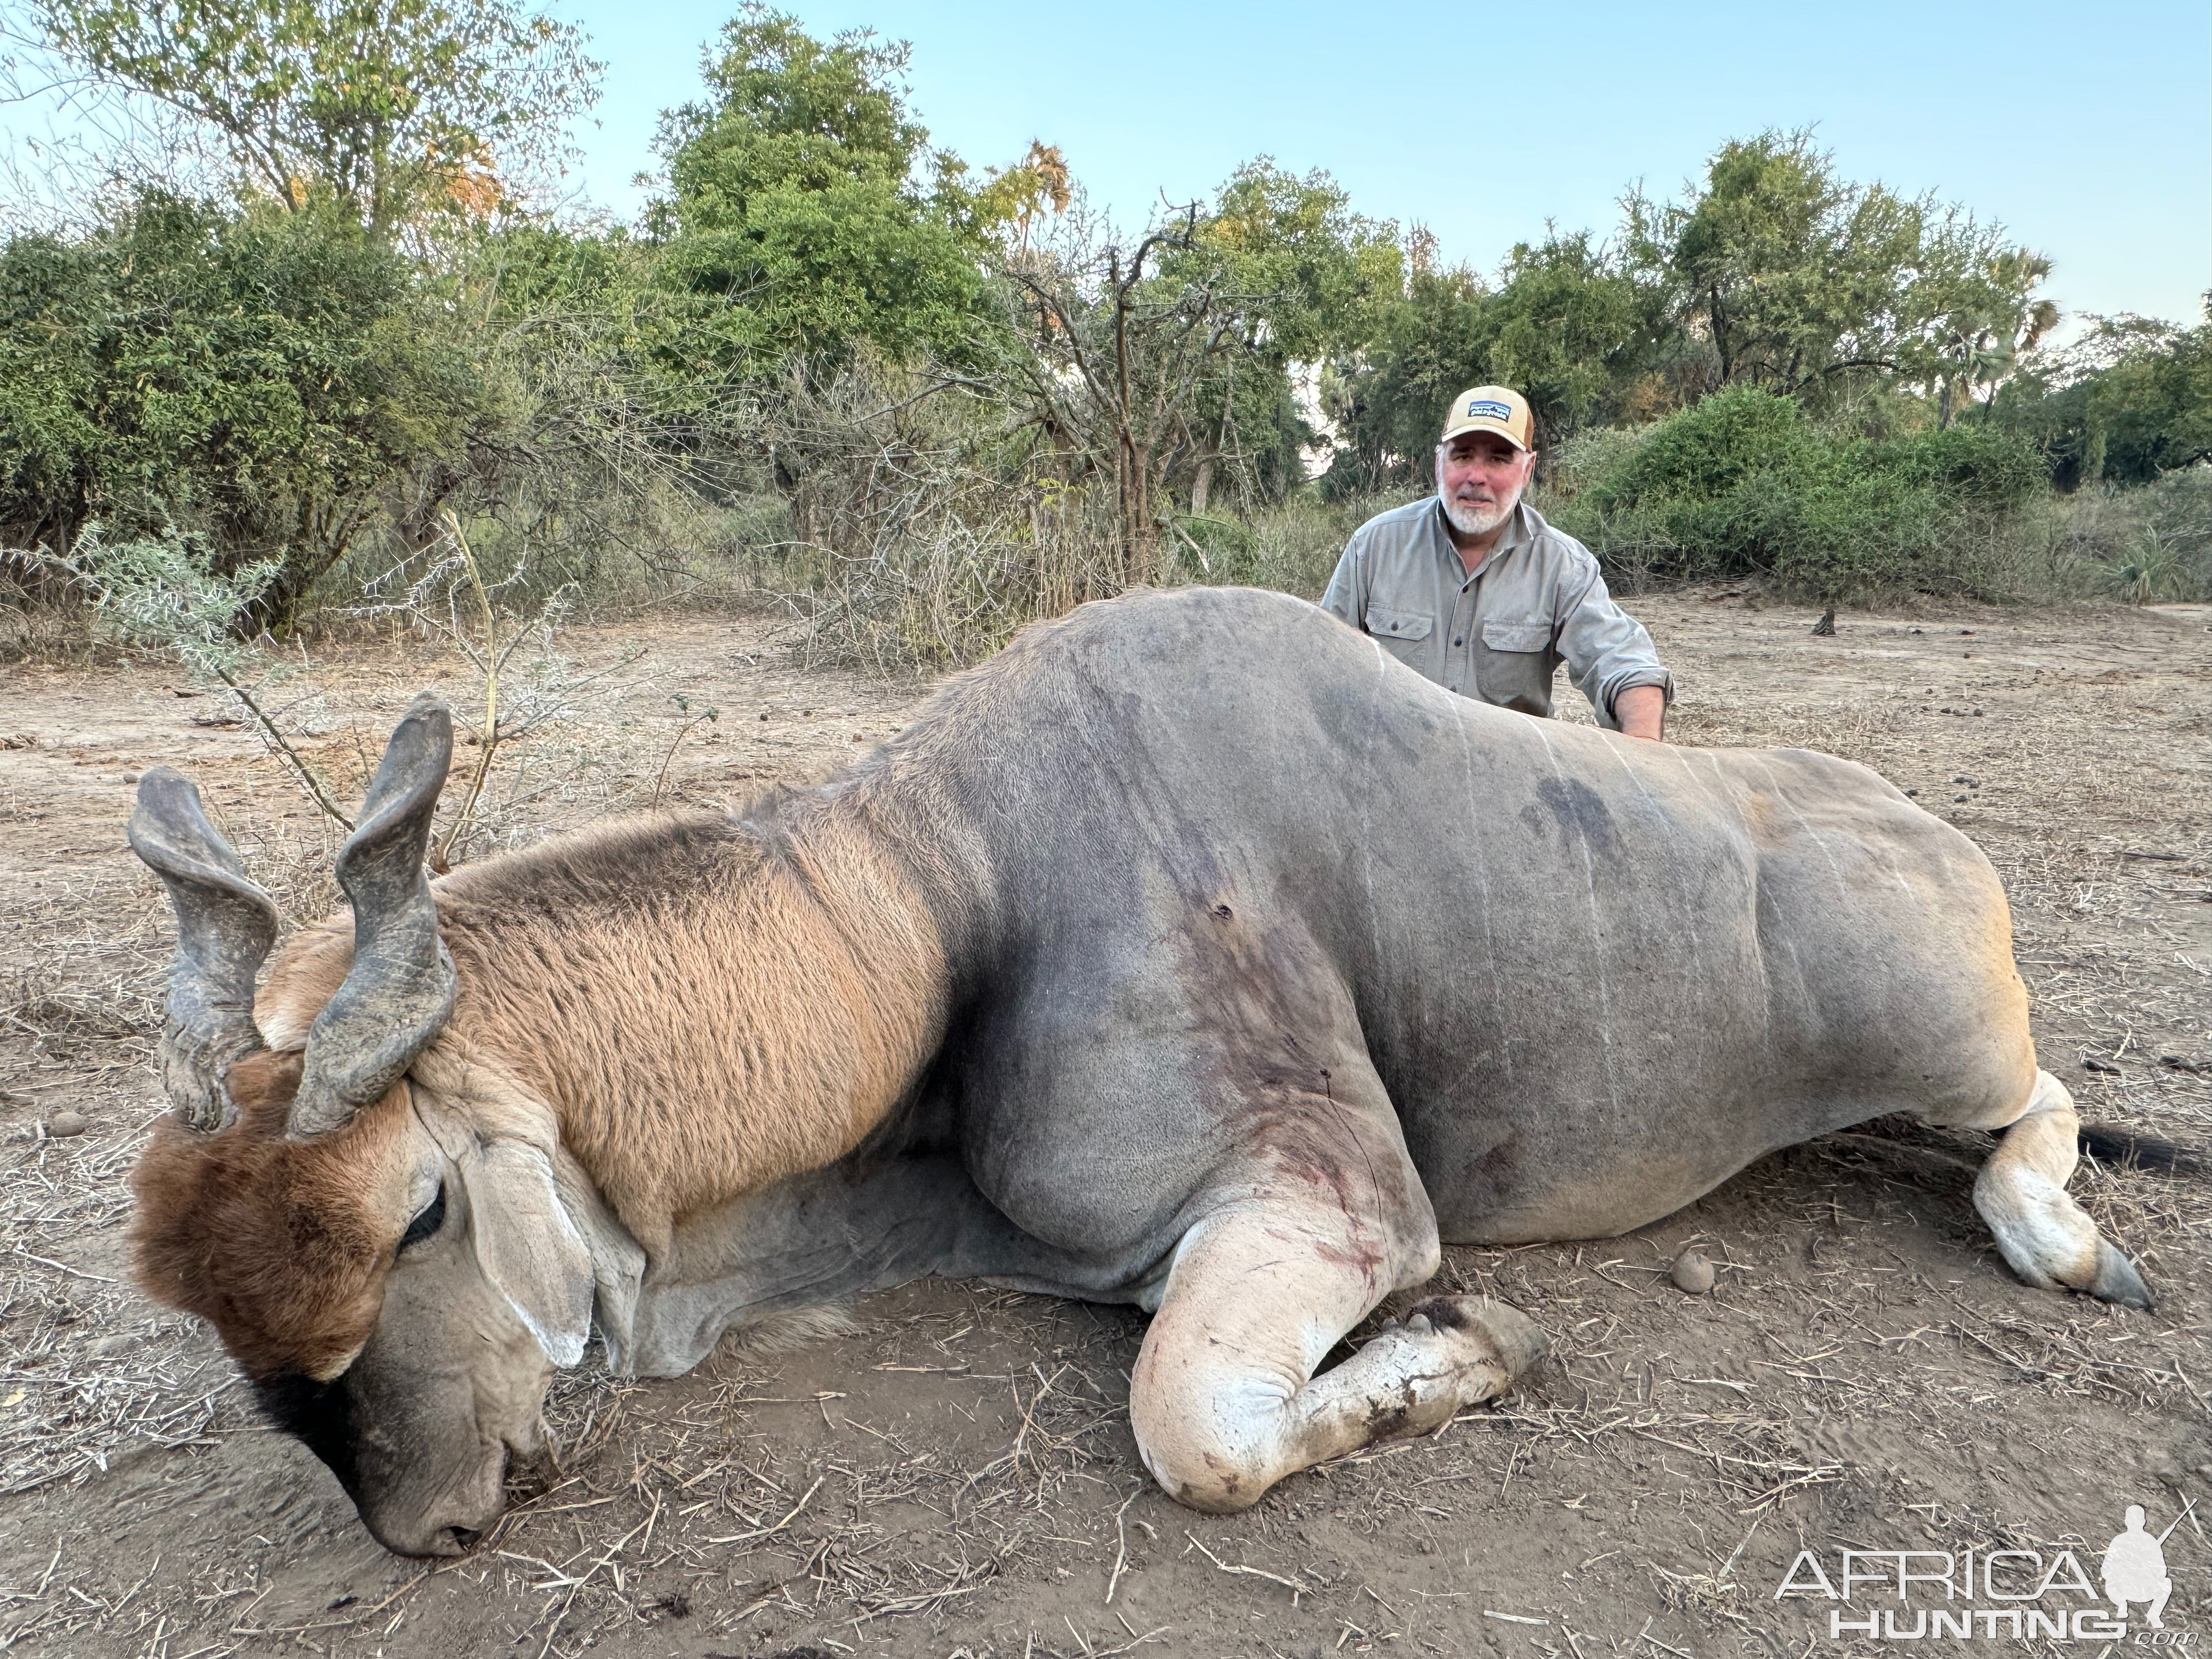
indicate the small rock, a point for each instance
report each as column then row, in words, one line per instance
column 65, row 1123
column 1692, row 1273
column 130, row 777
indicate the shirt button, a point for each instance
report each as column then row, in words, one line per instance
column 1459, row 641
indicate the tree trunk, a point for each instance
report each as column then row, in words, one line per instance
column 1139, row 535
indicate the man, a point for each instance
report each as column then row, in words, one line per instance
column 1475, row 590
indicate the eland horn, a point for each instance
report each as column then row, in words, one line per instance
column 225, row 926
column 400, row 992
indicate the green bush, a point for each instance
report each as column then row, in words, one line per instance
column 1710, row 449
column 1978, row 464
column 250, row 380
column 1744, row 484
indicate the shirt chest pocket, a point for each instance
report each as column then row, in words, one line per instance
column 1517, row 635
column 1394, row 625
column 1514, row 667
column 1404, row 633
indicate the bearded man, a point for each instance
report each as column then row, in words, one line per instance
column 1471, row 588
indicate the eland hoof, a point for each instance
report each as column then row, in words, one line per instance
column 2117, row 1280
column 1514, row 1341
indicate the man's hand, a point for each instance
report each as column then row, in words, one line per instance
column 1642, row 712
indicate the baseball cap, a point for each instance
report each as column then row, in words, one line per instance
column 1497, row 408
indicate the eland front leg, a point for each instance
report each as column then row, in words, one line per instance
column 1224, row 1399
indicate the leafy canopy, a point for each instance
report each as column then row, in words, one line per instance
column 387, row 106
column 805, row 208
column 2130, row 402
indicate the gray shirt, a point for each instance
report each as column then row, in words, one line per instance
column 1498, row 634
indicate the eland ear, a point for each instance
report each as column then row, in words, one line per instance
column 529, row 1248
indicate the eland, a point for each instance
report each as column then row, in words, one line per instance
column 1191, row 953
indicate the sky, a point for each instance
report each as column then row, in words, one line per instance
column 2085, row 131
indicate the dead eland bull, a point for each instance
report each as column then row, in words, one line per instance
column 1191, row 953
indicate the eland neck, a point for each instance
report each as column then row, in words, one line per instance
column 708, row 1006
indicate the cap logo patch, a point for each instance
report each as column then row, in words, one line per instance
column 1491, row 407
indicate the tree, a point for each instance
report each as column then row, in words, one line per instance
column 2132, row 401
column 1018, row 199
column 1387, row 400
column 1307, row 278
column 1159, row 361
column 1994, row 318
column 388, row 106
column 1569, row 323
column 1108, row 354
column 1788, row 276
column 1571, row 328
column 805, row 213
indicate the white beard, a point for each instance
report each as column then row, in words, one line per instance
column 1476, row 519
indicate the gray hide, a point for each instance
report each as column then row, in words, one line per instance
column 1216, row 866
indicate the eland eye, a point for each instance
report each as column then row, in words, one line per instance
column 428, row 1221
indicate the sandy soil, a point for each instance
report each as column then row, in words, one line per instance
column 954, row 1473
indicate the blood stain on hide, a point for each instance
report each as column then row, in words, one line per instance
column 1363, row 1255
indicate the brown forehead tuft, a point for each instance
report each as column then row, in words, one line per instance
column 281, row 1245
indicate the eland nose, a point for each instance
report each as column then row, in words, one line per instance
column 436, row 1534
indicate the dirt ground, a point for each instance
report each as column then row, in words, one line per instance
column 954, row 1473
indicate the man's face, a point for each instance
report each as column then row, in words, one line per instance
column 1480, row 478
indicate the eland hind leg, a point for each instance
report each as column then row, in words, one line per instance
column 2043, row 1234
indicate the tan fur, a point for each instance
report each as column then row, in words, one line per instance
column 704, row 1010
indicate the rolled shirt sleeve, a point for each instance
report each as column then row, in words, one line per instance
column 1607, row 651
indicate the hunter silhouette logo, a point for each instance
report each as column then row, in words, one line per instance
column 2134, row 1566
column 2018, row 1594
